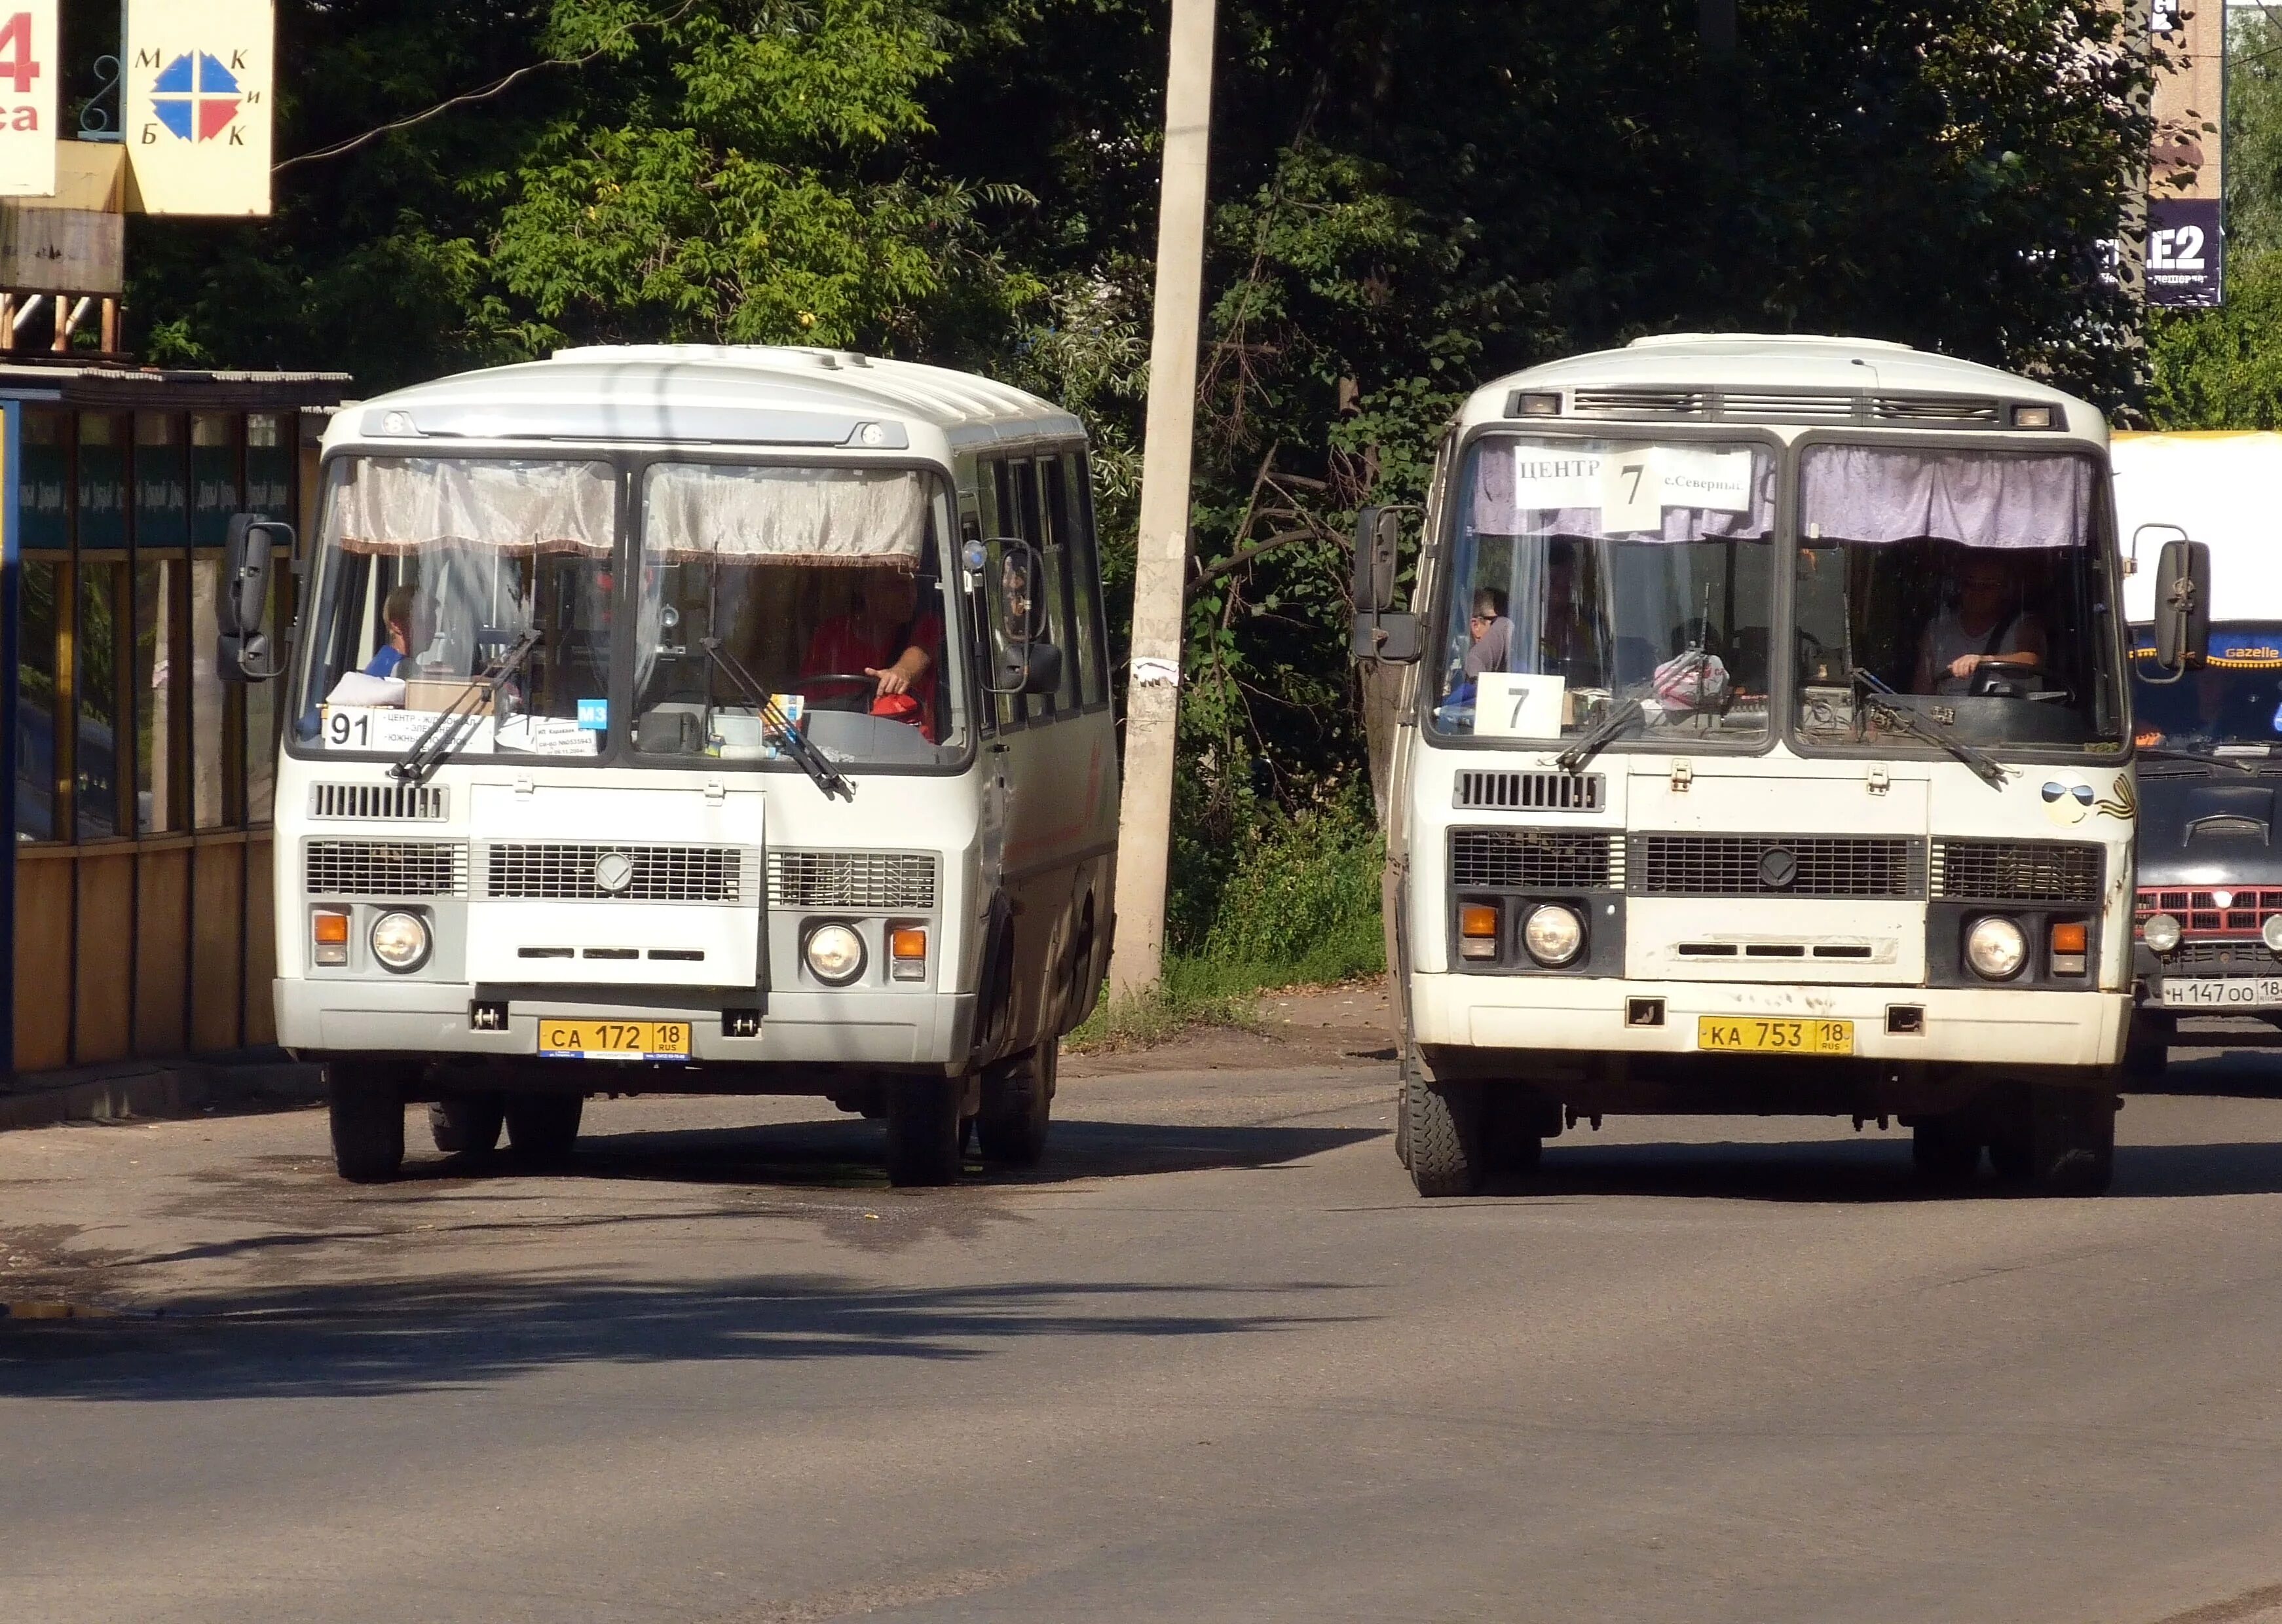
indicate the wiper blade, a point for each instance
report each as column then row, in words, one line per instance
column 811, row 761
column 1624, row 715
column 2172, row 753
column 456, row 724
column 1984, row 766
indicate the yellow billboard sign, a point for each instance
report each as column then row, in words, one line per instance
column 195, row 101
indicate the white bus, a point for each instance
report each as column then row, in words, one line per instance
column 1766, row 750
column 691, row 719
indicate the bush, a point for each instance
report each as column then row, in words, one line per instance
column 1302, row 902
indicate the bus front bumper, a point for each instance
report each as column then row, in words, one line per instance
column 1953, row 1027
column 856, row 1027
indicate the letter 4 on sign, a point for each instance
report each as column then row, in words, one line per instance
column 196, row 100
column 27, row 99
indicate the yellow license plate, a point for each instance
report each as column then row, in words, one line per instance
column 615, row 1040
column 1749, row 1034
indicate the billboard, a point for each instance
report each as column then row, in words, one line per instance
column 28, row 70
column 196, row 100
column 2185, row 259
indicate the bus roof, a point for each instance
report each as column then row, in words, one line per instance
column 737, row 393
column 1784, row 379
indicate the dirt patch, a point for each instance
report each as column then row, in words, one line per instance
column 1301, row 1028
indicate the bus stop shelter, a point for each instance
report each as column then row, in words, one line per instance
column 134, row 878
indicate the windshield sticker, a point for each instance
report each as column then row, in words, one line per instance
column 373, row 727
column 595, row 714
column 1517, row 705
column 1633, row 488
column 548, row 736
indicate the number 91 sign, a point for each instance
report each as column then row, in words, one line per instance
column 27, row 99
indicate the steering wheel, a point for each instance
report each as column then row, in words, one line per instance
column 862, row 702
column 2000, row 678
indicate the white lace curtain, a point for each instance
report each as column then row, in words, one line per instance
column 847, row 516
column 1873, row 494
column 405, row 505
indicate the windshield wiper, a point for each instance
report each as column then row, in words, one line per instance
column 2172, row 753
column 1624, row 715
column 811, row 761
column 454, row 724
column 1984, row 766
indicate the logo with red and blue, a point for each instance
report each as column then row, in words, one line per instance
column 196, row 98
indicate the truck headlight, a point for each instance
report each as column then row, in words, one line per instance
column 401, row 941
column 1553, row 934
column 834, row 953
column 2160, row 933
column 1996, row 949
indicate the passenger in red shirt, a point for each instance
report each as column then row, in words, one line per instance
column 887, row 638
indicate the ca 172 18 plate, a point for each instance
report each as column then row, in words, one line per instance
column 586, row 1040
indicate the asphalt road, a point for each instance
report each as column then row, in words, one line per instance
column 1214, row 1362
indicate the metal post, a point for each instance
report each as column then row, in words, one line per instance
column 1153, row 695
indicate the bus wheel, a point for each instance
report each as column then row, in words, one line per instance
column 1445, row 1137
column 542, row 1127
column 1945, row 1152
column 924, row 1133
column 467, row 1124
column 365, row 1100
column 1018, row 1096
column 2061, row 1141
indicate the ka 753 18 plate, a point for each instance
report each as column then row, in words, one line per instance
column 613, row 1040
column 1751, row 1034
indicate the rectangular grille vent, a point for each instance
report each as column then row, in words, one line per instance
column 422, row 803
column 1671, row 404
column 2249, row 957
column 2201, row 913
column 1699, row 865
column 1807, row 405
column 1533, row 859
column 1529, row 792
column 864, row 882
column 1953, row 411
column 384, row 868
column 564, row 872
column 1752, row 405
column 2017, row 871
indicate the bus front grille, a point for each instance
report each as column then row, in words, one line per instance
column 1529, row 791
column 864, row 882
column 384, row 868
column 1535, row 860
column 418, row 803
column 2017, row 871
column 1762, row 865
column 580, row 871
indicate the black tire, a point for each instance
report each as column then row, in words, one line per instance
column 365, row 1101
column 2061, row 1141
column 924, row 1133
column 543, row 1127
column 1018, row 1098
column 1945, row 1152
column 467, row 1124
column 1445, row 1137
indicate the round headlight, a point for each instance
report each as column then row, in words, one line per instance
column 836, row 954
column 2271, row 932
column 401, row 941
column 2160, row 933
column 1552, row 935
column 1996, row 949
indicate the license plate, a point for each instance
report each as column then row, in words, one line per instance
column 613, row 1040
column 2222, row 993
column 1748, row 1034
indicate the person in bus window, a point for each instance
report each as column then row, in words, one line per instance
column 1987, row 624
column 887, row 637
column 1492, row 633
column 396, row 614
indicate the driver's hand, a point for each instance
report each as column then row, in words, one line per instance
column 891, row 680
column 1964, row 665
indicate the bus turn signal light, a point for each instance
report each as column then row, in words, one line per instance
column 329, row 936
column 1478, row 929
column 2070, row 942
column 907, row 953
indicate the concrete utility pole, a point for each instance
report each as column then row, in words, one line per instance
column 1152, row 696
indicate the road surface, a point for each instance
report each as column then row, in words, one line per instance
column 1214, row 1362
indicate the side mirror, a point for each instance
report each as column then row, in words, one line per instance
column 242, row 605
column 1015, row 590
column 2181, row 605
column 1379, row 633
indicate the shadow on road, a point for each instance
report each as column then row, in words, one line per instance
column 398, row 1336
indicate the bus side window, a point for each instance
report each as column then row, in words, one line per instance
column 1022, row 480
column 1040, row 479
column 997, row 507
column 1071, row 480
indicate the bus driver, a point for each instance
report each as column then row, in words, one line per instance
column 1986, row 625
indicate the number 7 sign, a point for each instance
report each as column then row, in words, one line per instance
column 27, row 99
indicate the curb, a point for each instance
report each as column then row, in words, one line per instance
column 148, row 1093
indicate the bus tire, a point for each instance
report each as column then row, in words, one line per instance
column 543, row 1127
column 365, row 1103
column 1445, row 1137
column 925, row 1133
column 1944, row 1151
column 2060, row 1141
column 467, row 1124
column 1017, row 1095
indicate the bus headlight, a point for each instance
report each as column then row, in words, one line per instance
column 1553, row 934
column 2160, row 933
column 401, row 941
column 834, row 953
column 1996, row 949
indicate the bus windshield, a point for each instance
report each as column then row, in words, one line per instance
column 821, row 587
column 1953, row 594
column 2231, row 705
column 1597, row 580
